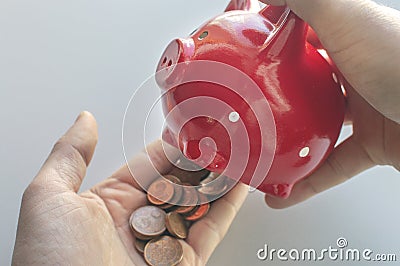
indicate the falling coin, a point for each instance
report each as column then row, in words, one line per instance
column 160, row 192
column 163, row 251
column 148, row 221
column 176, row 225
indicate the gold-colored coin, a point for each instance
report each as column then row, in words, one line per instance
column 176, row 225
column 163, row 251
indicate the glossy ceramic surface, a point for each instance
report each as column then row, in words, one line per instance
column 302, row 91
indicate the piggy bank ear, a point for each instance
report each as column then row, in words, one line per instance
column 247, row 5
column 275, row 14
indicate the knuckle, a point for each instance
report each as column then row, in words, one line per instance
column 33, row 189
column 66, row 154
column 66, row 150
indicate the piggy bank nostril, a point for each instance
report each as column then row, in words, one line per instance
column 169, row 70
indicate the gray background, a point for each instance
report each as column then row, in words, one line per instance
column 60, row 57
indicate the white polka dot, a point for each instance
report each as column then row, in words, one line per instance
column 304, row 152
column 335, row 78
column 343, row 89
column 234, row 117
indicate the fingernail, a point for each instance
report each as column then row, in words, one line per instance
column 82, row 114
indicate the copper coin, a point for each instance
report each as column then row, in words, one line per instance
column 140, row 244
column 154, row 200
column 186, row 164
column 142, row 237
column 192, row 211
column 148, row 221
column 166, row 206
column 189, row 172
column 176, row 225
column 163, row 251
column 192, row 177
column 178, row 190
column 172, row 209
column 211, row 177
column 189, row 197
column 184, row 209
column 201, row 211
column 214, row 187
column 160, row 191
column 174, row 179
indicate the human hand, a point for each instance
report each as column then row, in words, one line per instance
column 58, row 226
column 362, row 38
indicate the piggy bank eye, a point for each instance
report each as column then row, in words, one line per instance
column 203, row 35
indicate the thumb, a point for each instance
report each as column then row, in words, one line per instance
column 66, row 165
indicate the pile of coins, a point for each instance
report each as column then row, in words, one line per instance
column 171, row 211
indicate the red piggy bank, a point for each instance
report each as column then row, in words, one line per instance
column 248, row 96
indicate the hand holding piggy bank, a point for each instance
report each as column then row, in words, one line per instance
column 248, row 96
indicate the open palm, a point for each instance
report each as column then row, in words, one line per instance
column 57, row 226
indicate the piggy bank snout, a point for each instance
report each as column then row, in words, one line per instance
column 168, row 68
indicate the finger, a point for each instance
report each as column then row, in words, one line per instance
column 321, row 13
column 206, row 234
column 66, row 165
column 364, row 59
column 340, row 25
column 347, row 160
column 148, row 165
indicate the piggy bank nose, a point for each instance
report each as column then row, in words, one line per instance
column 168, row 69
